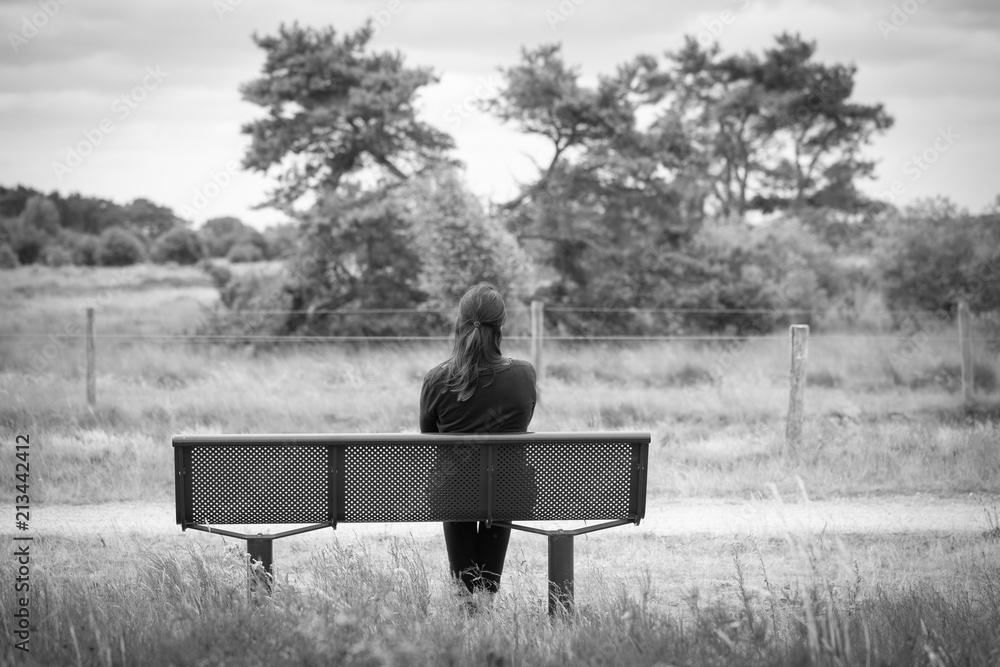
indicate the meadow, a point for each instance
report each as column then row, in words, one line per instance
column 716, row 411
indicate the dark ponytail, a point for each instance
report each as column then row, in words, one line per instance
column 481, row 314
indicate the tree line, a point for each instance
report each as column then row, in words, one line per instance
column 697, row 181
column 90, row 231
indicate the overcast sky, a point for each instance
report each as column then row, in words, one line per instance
column 152, row 87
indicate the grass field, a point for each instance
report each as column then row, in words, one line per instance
column 716, row 412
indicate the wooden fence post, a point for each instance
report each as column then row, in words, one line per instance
column 965, row 341
column 537, row 336
column 797, row 393
column 91, row 360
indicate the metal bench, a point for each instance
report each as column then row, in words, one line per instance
column 327, row 479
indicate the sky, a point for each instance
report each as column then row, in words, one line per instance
column 122, row 100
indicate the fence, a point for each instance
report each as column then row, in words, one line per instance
column 798, row 346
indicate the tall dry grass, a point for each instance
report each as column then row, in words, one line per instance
column 716, row 413
column 716, row 409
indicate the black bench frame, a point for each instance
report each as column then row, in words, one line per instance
column 560, row 542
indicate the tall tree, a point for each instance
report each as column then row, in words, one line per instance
column 334, row 109
column 150, row 220
column 776, row 131
column 601, row 217
column 41, row 214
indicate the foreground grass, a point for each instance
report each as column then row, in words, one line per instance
column 119, row 599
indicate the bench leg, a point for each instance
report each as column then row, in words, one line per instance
column 261, row 550
column 560, row 573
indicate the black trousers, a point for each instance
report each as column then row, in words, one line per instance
column 476, row 553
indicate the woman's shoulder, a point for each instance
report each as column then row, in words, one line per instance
column 523, row 366
column 436, row 374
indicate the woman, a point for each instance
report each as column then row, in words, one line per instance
column 477, row 390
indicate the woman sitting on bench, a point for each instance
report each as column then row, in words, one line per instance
column 477, row 390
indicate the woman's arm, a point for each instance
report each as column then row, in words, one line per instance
column 428, row 419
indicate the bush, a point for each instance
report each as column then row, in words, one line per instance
column 244, row 252
column 948, row 376
column 281, row 240
column 8, row 258
column 26, row 242
column 243, row 298
column 57, row 255
column 119, row 247
column 220, row 234
column 84, row 248
column 178, row 245
column 934, row 256
column 219, row 273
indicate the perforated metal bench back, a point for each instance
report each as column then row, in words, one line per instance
column 264, row 479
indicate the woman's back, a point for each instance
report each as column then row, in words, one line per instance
column 503, row 402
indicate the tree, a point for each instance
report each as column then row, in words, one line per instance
column 90, row 215
column 601, row 218
column 8, row 258
column 543, row 96
column 13, row 200
column 936, row 254
column 244, row 252
column 774, row 131
column 281, row 240
column 644, row 158
column 41, row 214
column 220, row 227
column 149, row 220
column 119, row 247
column 27, row 241
column 334, row 110
column 179, row 245
column 458, row 244
column 222, row 234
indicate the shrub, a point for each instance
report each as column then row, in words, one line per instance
column 244, row 300
column 934, row 256
column 26, row 242
column 458, row 244
column 949, row 377
column 219, row 273
column 119, row 247
column 8, row 258
column 220, row 234
column 244, row 251
column 281, row 240
column 824, row 378
column 57, row 255
column 691, row 375
column 84, row 248
column 178, row 245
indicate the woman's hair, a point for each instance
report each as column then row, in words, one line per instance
column 481, row 313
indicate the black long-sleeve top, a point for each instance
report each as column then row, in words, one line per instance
column 504, row 401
